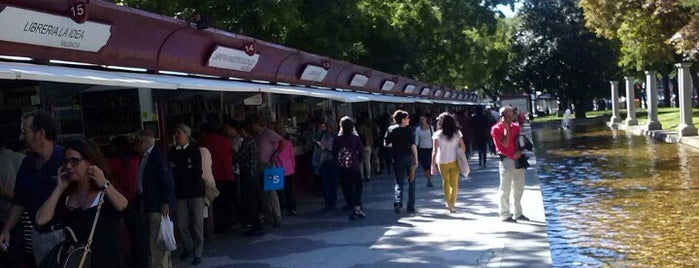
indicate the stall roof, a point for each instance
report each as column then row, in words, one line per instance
column 455, row 102
column 25, row 71
column 331, row 94
column 185, row 82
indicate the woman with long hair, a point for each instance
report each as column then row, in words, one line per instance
column 81, row 182
column 448, row 143
column 349, row 152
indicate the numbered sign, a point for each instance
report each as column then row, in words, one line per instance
column 77, row 10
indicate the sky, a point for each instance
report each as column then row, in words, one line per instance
column 505, row 9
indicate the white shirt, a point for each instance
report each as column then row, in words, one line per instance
column 9, row 165
column 446, row 152
column 423, row 137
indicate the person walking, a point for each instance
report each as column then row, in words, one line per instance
column 222, row 167
column 81, row 197
column 36, row 179
column 423, row 139
column 287, row 159
column 349, row 152
column 401, row 141
column 505, row 135
column 328, row 168
column 185, row 159
column 156, row 194
column 251, row 192
column 367, row 138
column 448, row 143
column 269, row 146
column 481, row 135
column 123, row 164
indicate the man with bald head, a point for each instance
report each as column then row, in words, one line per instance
column 505, row 134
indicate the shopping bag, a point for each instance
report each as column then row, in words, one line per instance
column 274, row 178
column 464, row 169
column 167, row 233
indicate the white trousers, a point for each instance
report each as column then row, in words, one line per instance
column 511, row 179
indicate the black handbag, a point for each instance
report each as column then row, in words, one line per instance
column 523, row 161
column 72, row 254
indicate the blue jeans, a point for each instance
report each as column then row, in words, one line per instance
column 329, row 172
column 401, row 167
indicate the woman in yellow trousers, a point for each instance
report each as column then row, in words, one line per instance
column 448, row 143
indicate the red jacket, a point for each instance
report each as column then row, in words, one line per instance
column 221, row 156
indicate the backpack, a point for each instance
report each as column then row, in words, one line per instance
column 345, row 157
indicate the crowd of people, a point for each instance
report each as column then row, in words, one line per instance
column 210, row 179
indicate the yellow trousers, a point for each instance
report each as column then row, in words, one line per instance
column 450, row 181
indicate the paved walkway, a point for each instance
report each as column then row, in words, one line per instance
column 433, row 237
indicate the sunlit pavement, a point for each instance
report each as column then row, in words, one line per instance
column 433, row 237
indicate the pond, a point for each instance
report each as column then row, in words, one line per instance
column 616, row 200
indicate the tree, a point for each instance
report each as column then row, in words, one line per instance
column 558, row 55
column 646, row 31
column 455, row 43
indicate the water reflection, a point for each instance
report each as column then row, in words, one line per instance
column 617, row 200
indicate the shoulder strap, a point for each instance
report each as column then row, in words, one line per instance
column 92, row 232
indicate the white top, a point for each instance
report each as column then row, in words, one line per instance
column 9, row 165
column 446, row 152
column 423, row 137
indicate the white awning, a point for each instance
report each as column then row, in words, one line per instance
column 25, row 71
column 331, row 94
column 187, row 82
column 7, row 74
column 61, row 74
column 455, row 102
column 391, row 99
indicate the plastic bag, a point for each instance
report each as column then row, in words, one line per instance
column 273, row 178
column 464, row 169
column 167, row 233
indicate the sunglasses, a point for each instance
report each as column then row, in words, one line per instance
column 74, row 161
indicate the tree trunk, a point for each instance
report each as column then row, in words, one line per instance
column 580, row 108
column 675, row 91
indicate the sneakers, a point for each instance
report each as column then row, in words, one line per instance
column 429, row 184
column 522, row 218
column 509, row 219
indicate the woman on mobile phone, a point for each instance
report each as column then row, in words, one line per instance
column 81, row 182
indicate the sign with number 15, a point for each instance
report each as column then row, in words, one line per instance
column 77, row 10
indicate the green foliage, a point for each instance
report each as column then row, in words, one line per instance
column 456, row 43
column 558, row 55
column 643, row 27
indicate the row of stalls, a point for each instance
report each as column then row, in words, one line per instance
column 103, row 104
column 106, row 70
